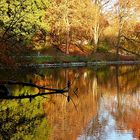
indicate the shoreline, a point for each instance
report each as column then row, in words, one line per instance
column 75, row 64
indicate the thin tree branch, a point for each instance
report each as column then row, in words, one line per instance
column 129, row 51
column 32, row 96
column 131, row 39
column 31, row 85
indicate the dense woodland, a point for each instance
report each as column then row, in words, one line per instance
column 28, row 26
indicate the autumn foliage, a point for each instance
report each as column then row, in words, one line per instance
column 70, row 23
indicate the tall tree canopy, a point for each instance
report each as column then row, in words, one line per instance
column 20, row 19
column 69, row 23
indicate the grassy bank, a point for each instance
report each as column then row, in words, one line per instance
column 43, row 59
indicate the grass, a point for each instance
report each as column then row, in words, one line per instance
column 74, row 58
column 52, row 56
column 68, row 58
column 42, row 59
column 58, row 59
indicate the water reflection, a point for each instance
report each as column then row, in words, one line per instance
column 22, row 120
column 118, row 115
column 107, row 106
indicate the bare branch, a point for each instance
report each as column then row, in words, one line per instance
column 32, row 96
column 31, row 85
column 129, row 51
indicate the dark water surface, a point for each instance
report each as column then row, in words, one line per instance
column 107, row 106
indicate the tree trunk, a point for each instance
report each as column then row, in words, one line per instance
column 67, row 42
column 117, row 48
column 67, row 25
column 96, row 26
column 117, row 53
column 96, row 36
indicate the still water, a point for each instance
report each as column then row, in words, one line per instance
column 104, row 104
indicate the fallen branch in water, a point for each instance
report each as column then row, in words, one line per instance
column 28, row 84
column 32, row 96
column 5, row 94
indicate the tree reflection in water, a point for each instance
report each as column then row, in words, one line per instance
column 119, row 112
column 22, row 120
column 101, row 94
column 108, row 106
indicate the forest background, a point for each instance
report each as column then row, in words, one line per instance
column 44, row 31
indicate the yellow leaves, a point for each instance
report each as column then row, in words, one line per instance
column 77, row 13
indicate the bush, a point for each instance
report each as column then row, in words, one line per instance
column 103, row 47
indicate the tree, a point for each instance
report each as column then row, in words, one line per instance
column 70, row 21
column 19, row 21
column 100, row 21
column 125, row 11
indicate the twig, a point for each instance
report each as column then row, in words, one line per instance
column 71, row 100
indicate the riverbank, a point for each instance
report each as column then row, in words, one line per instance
column 55, row 55
column 54, row 58
column 84, row 64
column 74, row 64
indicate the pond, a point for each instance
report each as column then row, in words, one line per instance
column 104, row 104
